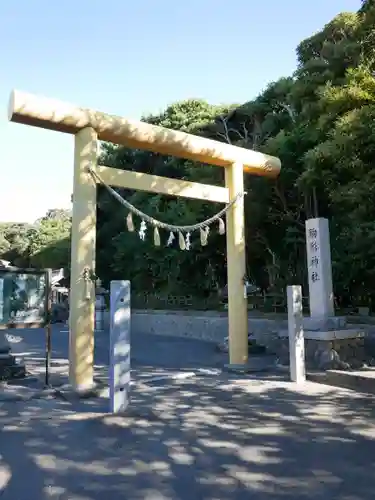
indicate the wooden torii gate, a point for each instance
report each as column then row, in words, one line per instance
column 89, row 127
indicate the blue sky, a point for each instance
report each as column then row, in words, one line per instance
column 130, row 58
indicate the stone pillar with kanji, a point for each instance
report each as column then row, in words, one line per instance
column 319, row 268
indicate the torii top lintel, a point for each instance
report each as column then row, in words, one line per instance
column 55, row 115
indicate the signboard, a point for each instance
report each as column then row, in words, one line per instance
column 24, row 297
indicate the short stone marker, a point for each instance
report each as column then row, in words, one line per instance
column 296, row 337
column 119, row 364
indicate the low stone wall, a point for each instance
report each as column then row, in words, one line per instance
column 209, row 326
column 270, row 332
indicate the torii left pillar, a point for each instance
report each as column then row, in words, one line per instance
column 82, row 291
column 236, row 268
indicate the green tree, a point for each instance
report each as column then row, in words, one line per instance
column 49, row 244
column 318, row 121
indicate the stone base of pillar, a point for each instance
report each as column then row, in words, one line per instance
column 10, row 368
column 333, row 349
column 70, row 393
column 256, row 364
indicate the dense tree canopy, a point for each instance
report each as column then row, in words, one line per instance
column 319, row 121
column 43, row 244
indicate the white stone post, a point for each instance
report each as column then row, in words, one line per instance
column 99, row 312
column 119, row 365
column 1, row 299
column 319, row 268
column 296, row 337
column 4, row 344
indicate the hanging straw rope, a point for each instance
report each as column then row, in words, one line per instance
column 203, row 226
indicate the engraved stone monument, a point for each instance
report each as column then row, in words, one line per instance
column 328, row 334
column 318, row 250
column 329, row 343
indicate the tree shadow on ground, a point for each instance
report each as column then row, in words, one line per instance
column 203, row 437
column 206, row 436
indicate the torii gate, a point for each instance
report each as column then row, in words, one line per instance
column 88, row 128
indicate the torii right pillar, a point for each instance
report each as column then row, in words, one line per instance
column 236, row 268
